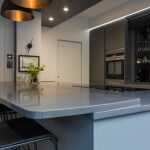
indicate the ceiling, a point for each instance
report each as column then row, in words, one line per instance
column 85, row 8
column 102, row 7
column 55, row 10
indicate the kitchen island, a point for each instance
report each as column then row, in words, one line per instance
column 84, row 118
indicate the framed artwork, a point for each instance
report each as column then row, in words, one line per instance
column 24, row 61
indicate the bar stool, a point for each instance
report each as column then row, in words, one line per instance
column 6, row 113
column 21, row 132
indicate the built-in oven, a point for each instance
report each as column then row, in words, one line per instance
column 115, row 66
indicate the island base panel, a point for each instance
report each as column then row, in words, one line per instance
column 74, row 133
column 131, row 132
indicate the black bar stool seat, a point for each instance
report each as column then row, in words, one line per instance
column 6, row 113
column 22, row 131
column 4, row 109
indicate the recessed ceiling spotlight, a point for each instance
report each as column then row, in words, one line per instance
column 51, row 19
column 65, row 9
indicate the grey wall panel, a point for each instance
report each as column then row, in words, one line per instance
column 74, row 133
column 6, row 47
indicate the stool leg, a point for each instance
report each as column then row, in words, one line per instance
column 55, row 146
column 0, row 118
column 11, row 116
column 4, row 116
column 35, row 146
column 28, row 147
column 24, row 147
column 15, row 115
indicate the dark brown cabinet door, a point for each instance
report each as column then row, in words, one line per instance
column 115, row 35
column 97, row 57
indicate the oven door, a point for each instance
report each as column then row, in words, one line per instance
column 115, row 69
column 110, row 70
column 119, row 69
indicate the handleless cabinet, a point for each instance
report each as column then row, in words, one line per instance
column 115, row 36
column 97, row 57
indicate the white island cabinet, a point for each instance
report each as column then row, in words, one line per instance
column 130, row 132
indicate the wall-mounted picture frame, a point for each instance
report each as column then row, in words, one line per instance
column 24, row 61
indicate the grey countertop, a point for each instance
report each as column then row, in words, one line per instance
column 144, row 106
column 49, row 100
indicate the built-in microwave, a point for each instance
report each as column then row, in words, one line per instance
column 115, row 66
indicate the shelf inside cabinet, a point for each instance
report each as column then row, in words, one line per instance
column 141, row 54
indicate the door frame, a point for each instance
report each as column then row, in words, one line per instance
column 60, row 40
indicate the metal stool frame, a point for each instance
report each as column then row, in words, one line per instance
column 25, row 144
column 18, row 145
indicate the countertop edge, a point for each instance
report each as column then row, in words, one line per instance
column 121, row 112
column 54, row 113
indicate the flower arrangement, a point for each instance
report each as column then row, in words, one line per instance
column 34, row 71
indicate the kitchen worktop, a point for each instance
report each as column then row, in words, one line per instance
column 49, row 100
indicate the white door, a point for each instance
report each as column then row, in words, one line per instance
column 69, row 62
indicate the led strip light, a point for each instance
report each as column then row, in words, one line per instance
column 118, row 19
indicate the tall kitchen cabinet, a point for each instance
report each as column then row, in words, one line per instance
column 138, row 60
column 115, row 45
column 108, row 41
column 115, row 36
column 97, row 57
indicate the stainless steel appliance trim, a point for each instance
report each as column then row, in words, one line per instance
column 113, row 58
column 114, row 82
column 115, row 51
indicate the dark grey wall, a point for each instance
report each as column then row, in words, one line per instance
column 97, row 57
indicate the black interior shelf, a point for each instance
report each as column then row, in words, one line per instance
column 142, row 53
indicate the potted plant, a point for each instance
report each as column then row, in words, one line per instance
column 34, row 71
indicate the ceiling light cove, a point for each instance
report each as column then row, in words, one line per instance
column 121, row 18
column 65, row 9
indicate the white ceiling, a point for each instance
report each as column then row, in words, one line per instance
column 102, row 7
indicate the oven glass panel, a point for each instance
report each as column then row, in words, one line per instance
column 115, row 69
column 118, row 68
column 111, row 68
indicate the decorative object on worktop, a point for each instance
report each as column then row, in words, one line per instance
column 32, row 4
column 24, row 61
column 29, row 47
column 34, row 71
column 16, row 13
